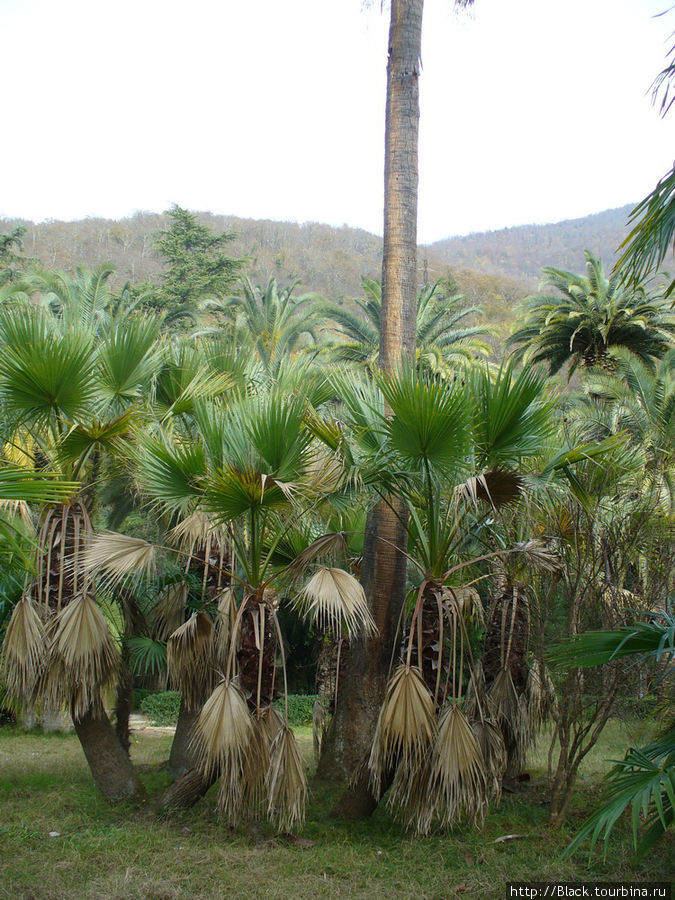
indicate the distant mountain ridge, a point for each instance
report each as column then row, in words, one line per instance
column 494, row 269
column 521, row 251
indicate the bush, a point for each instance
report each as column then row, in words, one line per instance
column 139, row 696
column 300, row 708
column 162, row 708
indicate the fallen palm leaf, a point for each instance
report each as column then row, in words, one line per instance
column 334, row 599
column 286, row 785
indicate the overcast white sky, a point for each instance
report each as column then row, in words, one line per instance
column 532, row 110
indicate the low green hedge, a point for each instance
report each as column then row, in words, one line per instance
column 162, row 708
column 300, row 708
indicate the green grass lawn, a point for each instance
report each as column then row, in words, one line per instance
column 117, row 853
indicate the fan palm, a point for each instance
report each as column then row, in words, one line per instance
column 443, row 337
column 275, row 321
column 253, row 467
column 588, row 317
column 71, row 391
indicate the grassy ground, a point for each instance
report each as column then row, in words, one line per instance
column 110, row 853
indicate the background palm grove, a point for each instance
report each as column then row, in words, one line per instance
column 397, row 518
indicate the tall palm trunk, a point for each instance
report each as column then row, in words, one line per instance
column 384, row 567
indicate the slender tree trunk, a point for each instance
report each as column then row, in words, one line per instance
column 181, row 759
column 384, row 566
column 113, row 773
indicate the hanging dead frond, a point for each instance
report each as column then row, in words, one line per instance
column 119, row 556
column 538, row 555
column 193, row 530
column 24, row 651
column 189, row 658
column 225, row 617
column 406, row 725
column 491, row 743
column 410, row 798
column 286, row 784
column 256, row 762
column 335, row 601
column 333, row 544
column 541, row 696
column 496, row 487
column 21, row 509
column 169, row 609
column 458, row 781
column 220, row 742
column 504, row 697
column 83, row 656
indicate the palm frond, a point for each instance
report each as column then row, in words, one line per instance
column 24, row 651
column 286, row 783
column 119, row 556
column 334, row 600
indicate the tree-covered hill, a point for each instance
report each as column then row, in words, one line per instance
column 493, row 269
column 520, row 252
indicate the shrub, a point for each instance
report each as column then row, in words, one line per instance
column 162, row 708
column 300, row 707
column 139, row 696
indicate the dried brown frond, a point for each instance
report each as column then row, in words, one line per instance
column 504, row 697
column 225, row 617
column 220, row 742
column 476, row 700
column 256, row 763
column 285, row 782
column 411, row 799
column 541, row 696
column 538, row 555
column 169, row 609
column 458, row 780
column 189, row 658
column 24, row 651
column 496, row 487
column 491, row 743
column 21, row 509
column 119, row 556
column 406, row 725
column 334, row 600
column 273, row 721
column 333, row 544
column 193, row 530
column 83, row 656
column 467, row 601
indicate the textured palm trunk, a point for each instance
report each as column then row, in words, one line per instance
column 113, row 773
column 384, row 566
column 181, row 757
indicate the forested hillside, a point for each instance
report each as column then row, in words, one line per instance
column 520, row 252
column 493, row 269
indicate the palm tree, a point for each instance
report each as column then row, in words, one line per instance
column 588, row 318
column 250, row 469
column 71, row 395
column 440, row 341
column 276, row 322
